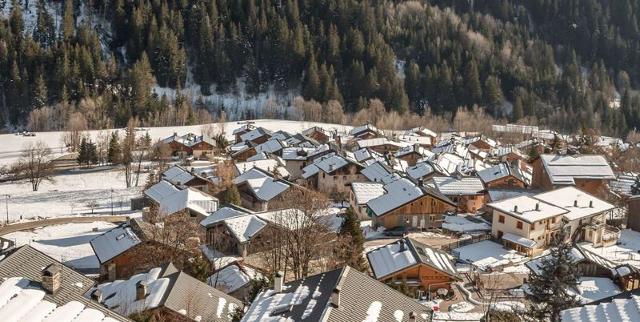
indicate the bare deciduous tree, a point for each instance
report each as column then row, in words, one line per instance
column 73, row 134
column 35, row 164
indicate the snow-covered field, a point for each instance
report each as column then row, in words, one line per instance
column 68, row 243
column 69, row 195
column 13, row 145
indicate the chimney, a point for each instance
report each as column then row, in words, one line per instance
column 335, row 297
column 590, row 203
column 402, row 248
column 537, row 206
column 412, row 316
column 51, row 276
column 575, row 203
column 277, row 282
column 515, row 208
column 97, row 296
column 141, row 290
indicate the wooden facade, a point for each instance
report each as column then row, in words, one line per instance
column 540, row 180
column 507, row 182
column 421, row 277
column 422, row 213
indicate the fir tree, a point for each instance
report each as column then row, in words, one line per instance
column 549, row 290
column 350, row 229
column 68, row 21
column 232, row 196
column 114, row 153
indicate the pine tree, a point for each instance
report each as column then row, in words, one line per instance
column 114, row 152
column 232, row 196
column 68, row 22
column 557, row 274
column 82, row 152
column 473, row 86
column 39, row 93
column 311, row 88
column 350, row 230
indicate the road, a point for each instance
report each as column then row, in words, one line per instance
column 59, row 221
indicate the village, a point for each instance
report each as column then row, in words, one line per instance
column 257, row 221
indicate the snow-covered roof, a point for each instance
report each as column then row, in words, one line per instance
column 263, row 185
column 529, row 243
column 365, row 154
column 177, row 175
column 20, row 301
column 415, row 139
column 296, row 153
column 363, row 128
column 224, row 213
column 161, row 190
column 502, row 194
column 591, row 289
column 362, row 298
column 527, row 208
column 245, row 227
column 328, row 164
column 423, row 131
column 465, row 224
column 398, row 193
column 618, row 309
column 379, row 172
column 391, row 258
column 254, row 134
column 168, row 287
column 405, row 253
column 578, row 203
column 496, row 172
column 365, row 191
column 449, row 162
column 563, row 169
column 267, row 165
column 452, row 186
column 114, row 242
column 190, row 198
column 232, row 277
column 270, row 146
column 378, row 142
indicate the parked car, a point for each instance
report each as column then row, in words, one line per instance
column 398, row 231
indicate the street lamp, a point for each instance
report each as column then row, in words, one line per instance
column 6, row 205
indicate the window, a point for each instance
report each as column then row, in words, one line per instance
column 501, row 219
column 553, row 220
column 519, row 225
column 500, row 234
column 533, row 226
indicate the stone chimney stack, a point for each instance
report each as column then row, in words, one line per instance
column 51, row 276
column 278, row 282
column 141, row 290
column 97, row 296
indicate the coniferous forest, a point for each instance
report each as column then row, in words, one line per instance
column 568, row 64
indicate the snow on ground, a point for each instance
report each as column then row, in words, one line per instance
column 12, row 145
column 461, row 307
column 625, row 251
column 509, row 306
column 70, row 194
column 455, row 316
column 68, row 243
column 465, row 224
column 487, row 254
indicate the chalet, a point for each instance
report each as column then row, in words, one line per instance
column 505, row 176
column 365, row 132
column 528, row 223
column 234, row 279
column 481, row 142
column 198, row 146
column 380, row 145
column 421, row 132
column 587, row 264
column 379, row 171
column 181, row 177
column 36, row 287
column 258, row 188
column 590, row 173
column 414, row 154
column 242, row 151
column 618, row 307
column 332, row 173
column 633, row 213
column 301, row 141
column 361, row 194
column 235, row 230
column 255, row 136
column 340, row 295
column 170, row 199
column 296, row 158
column 124, row 251
column 467, row 193
column 405, row 204
column 273, row 166
column 364, row 155
column 508, row 154
column 166, row 294
column 416, row 265
column 318, row 133
column 425, row 170
column 246, row 128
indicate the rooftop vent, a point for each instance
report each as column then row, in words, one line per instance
column 537, row 206
column 277, row 282
column 335, row 297
column 575, row 203
column 515, row 208
column 141, row 290
column 590, row 203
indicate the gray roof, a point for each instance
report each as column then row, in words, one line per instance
column 359, row 295
column 563, row 169
column 114, row 242
column 28, row 262
column 451, row 186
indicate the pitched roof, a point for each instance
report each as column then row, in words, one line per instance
column 578, row 203
column 398, row 193
column 405, row 253
column 365, row 191
column 114, row 242
column 172, row 289
column 498, row 172
column 452, row 186
column 361, row 298
column 24, row 266
column 528, row 208
column 563, row 169
column 380, row 172
column 228, row 211
column 327, row 164
column 262, row 184
column 232, row 277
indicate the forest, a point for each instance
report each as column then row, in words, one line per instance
column 565, row 64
